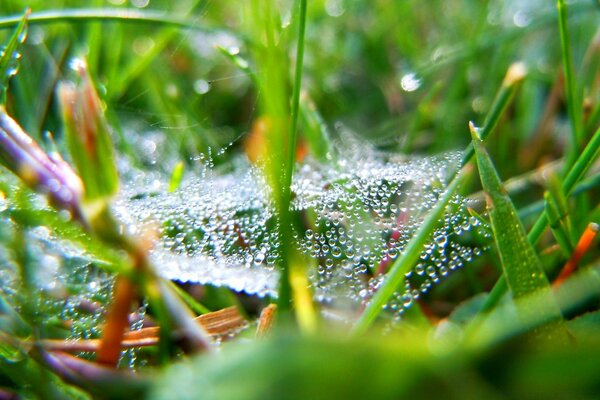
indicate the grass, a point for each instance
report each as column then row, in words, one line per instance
column 165, row 85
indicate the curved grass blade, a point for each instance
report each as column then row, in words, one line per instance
column 522, row 267
column 149, row 17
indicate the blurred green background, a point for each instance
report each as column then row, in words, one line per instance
column 406, row 75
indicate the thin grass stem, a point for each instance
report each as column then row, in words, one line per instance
column 82, row 15
column 571, row 95
column 407, row 260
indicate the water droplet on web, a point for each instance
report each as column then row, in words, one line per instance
column 358, row 212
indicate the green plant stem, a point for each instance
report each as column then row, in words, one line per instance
column 285, row 289
column 291, row 155
column 511, row 83
column 572, row 99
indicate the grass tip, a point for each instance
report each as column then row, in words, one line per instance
column 474, row 131
column 515, row 74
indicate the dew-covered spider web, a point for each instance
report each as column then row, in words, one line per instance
column 353, row 216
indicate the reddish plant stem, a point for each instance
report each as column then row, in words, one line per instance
column 582, row 247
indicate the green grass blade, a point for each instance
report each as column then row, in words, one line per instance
column 148, row 17
column 555, row 220
column 291, row 150
column 407, row 260
column 272, row 79
column 514, row 77
column 522, row 267
column 583, row 163
column 176, row 176
column 191, row 302
column 559, row 219
column 238, row 61
column 574, row 176
column 572, row 97
column 315, row 130
column 9, row 55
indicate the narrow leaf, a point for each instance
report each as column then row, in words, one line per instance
column 9, row 55
column 176, row 176
column 522, row 267
column 315, row 130
column 408, row 259
column 555, row 220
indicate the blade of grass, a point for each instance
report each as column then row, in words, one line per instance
column 514, row 76
column 576, row 173
column 149, row 17
column 560, row 205
column 140, row 64
column 176, row 176
column 315, row 130
column 88, row 136
column 520, row 263
column 407, row 260
column 188, row 299
column 291, row 150
column 272, row 84
column 297, row 280
column 572, row 97
column 555, row 218
column 9, row 55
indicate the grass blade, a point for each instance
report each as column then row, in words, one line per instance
column 576, row 173
column 514, row 76
column 522, row 267
column 407, row 260
column 9, row 56
column 149, row 17
column 572, row 98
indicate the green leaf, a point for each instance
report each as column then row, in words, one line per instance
column 520, row 263
column 9, row 55
column 555, row 219
column 176, row 176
